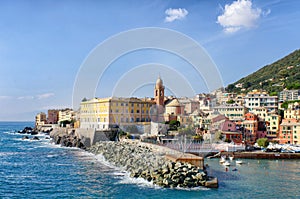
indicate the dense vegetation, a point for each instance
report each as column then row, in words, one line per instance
column 286, row 103
column 284, row 73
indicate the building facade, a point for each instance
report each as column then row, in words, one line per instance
column 289, row 131
column 256, row 99
column 66, row 115
column 293, row 111
column 272, row 123
column 103, row 113
column 40, row 119
column 52, row 116
column 289, row 95
column 234, row 112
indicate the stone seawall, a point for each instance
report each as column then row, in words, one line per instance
column 86, row 137
column 142, row 161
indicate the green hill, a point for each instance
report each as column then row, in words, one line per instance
column 273, row 78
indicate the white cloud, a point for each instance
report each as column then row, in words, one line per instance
column 4, row 97
column 25, row 97
column 240, row 14
column 175, row 14
column 54, row 107
column 45, row 95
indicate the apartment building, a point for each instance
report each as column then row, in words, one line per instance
column 293, row 111
column 65, row 115
column 103, row 113
column 289, row 131
column 289, row 95
column 40, row 119
column 257, row 99
column 234, row 112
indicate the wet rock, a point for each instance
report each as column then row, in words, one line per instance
column 142, row 162
column 25, row 137
column 35, row 138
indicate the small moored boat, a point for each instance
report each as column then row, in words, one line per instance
column 239, row 161
column 223, row 159
column 226, row 163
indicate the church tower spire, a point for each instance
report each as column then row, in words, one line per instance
column 159, row 92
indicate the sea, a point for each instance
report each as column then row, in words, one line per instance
column 39, row 169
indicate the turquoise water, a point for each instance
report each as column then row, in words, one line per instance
column 38, row 169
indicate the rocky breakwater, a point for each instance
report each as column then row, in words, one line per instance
column 61, row 137
column 142, row 162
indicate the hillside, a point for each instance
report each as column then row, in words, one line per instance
column 284, row 73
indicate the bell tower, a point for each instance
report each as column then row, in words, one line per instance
column 159, row 92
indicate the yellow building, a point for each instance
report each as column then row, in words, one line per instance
column 104, row 113
column 273, row 125
column 261, row 113
column 40, row 119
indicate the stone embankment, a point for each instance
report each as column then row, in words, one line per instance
column 143, row 162
column 61, row 137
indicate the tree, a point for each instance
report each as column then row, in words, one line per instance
column 230, row 87
column 174, row 124
column 231, row 101
column 263, row 142
column 84, row 99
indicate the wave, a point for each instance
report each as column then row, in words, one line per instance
column 138, row 181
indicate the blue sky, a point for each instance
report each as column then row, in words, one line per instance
column 44, row 43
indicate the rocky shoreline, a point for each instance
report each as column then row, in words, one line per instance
column 142, row 162
column 67, row 140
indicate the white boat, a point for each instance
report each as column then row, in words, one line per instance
column 239, row 161
column 231, row 158
column 226, row 163
column 223, row 159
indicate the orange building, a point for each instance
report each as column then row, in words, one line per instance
column 250, row 125
column 289, row 132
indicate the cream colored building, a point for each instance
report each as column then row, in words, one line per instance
column 257, row 99
column 40, row 119
column 104, row 113
column 293, row 111
column 65, row 115
column 261, row 112
column 234, row 112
